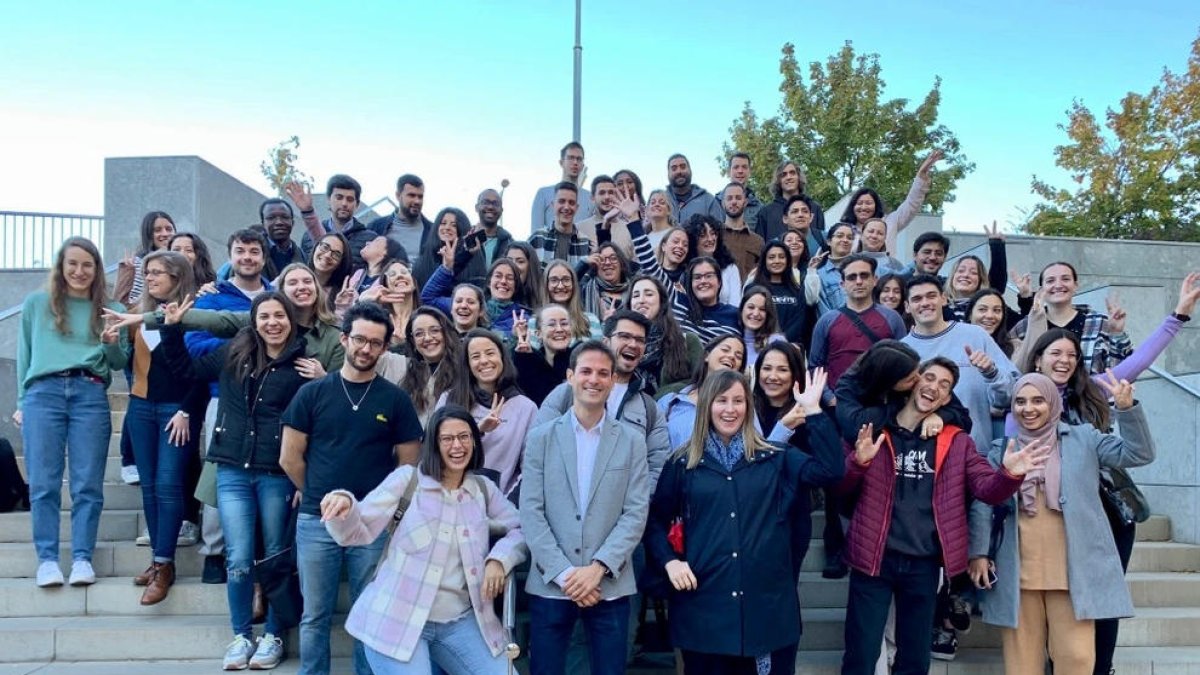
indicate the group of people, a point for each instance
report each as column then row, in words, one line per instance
column 641, row 402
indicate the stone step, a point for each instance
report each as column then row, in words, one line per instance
column 131, row 638
column 115, row 525
column 112, row 464
column 117, row 497
column 109, row 559
column 1165, row 556
column 1151, row 627
column 159, row 667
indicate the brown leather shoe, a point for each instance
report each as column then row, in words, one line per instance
column 164, row 578
column 145, row 577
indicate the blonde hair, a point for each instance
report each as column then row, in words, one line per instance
column 59, row 290
column 178, row 267
column 662, row 244
column 980, row 269
column 714, row 385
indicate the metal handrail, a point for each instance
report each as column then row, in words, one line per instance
column 1187, row 388
column 16, row 309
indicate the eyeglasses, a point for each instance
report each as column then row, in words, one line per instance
column 705, row 276
column 630, row 337
column 359, row 342
column 489, row 202
column 427, row 333
column 156, row 273
column 551, row 325
column 463, row 439
column 857, row 276
column 558, row 281
column 328, row 250
column 607, row 260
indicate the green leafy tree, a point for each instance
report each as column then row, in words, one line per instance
column 839, row 126
column 1136, row 177
column 280, row 167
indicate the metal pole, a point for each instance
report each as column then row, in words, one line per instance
column 578, row 69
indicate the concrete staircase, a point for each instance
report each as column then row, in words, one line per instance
column 103, row 629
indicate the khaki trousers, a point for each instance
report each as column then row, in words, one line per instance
column 1047, row 623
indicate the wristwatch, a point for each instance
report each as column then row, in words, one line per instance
column 1183, row 318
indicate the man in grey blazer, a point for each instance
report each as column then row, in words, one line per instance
column 584, row 499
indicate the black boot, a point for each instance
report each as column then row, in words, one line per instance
column 214, row 570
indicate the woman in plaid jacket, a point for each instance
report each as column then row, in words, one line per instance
column 430, row 601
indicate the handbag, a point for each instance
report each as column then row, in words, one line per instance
column 1123, row 501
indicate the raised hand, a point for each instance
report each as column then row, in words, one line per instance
column 372, row 294
column 628, row 206
column 1116, row 315
column 818, row 260
column 347, row 296
column 681, row 576
column 110, row 335
column 1029, row 458
column 1038, row 311
column 1120, row 391
column 493, row 420
column 865, row 449
column 994, row 231
column 978, row 358
column 1189, row 293
column 814, row 386
column 300, row 195
column 521, row 330
column 173, row 311
column 335, row 506
column 927, row 165
column 1023, row 282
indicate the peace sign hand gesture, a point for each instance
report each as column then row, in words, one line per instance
column 447, row 251
column 493, row 420
column 1030, row 458
column 1023, row 282
column 173, row 311
column 1121, row 391
column 347, row 296
column 521, row 330
column 993, row 232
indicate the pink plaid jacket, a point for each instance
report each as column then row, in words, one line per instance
column 391, row 611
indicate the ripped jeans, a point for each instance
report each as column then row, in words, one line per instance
column 251, row 501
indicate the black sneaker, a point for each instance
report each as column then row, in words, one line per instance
column 835, row 567
column 960, row 614
column 945, row 644
column 214, row 570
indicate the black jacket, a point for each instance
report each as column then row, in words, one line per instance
column 769, row 222
column 248, row 431
column 737, row 540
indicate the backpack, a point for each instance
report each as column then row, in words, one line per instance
column 14, row 493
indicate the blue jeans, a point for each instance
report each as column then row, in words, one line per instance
column 65, row 415
column 161, row 467
column 456, row 646
column 551, row 622
column 912, row 583
column 320, row 560
column 249, row 502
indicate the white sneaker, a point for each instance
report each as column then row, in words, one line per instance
column 237, row 654
column 189, row 534
column 129, row 475
column 82, row 573
column 269, row 653
column 143, row 538
column 49, row 575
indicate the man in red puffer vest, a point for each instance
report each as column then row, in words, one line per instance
column 910, row 520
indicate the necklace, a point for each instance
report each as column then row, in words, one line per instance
column 353, row 405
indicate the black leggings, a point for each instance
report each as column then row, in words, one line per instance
column 1106, row 629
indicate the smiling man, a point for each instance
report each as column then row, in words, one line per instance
column 562, row 241
column 896, row 546
column 585, row 495
column 278, row 219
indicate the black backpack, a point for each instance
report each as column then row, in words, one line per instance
column 14, row 493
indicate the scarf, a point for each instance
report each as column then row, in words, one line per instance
column 495, row 308
column 652, row 359
column 594, row 291
column 1049, row 477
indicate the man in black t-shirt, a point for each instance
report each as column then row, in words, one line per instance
column 347, row 430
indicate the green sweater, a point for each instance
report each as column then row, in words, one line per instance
column 322, row 339
column 42, row 350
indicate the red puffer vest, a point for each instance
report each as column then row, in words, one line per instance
column 959, row 471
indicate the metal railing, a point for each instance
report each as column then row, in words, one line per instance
column 29, row 240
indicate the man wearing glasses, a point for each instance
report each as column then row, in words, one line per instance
column 347, row 431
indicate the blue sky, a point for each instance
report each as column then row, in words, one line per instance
column 466, row 93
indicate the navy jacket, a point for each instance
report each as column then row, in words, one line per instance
column 738, row 542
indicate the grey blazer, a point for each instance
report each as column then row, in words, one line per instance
column 1094, row 577
column 611, row 527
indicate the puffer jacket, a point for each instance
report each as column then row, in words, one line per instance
column 958, row 468
column 249, row 431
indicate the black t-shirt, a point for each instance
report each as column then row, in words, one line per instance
column 349, row 449
column 913, row 531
